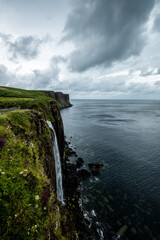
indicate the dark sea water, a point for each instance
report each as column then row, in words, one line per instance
column 124, row 135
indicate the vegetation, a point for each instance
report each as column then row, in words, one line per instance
column 20, row 93
column 28, row 205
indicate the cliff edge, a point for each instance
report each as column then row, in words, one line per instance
column 29, row 208
column 61, row 98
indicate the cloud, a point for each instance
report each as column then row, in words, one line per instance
column 157, row 83
column 43, row 79
column 145, row 73
column 38, row 79
column 5, row 37
column 5, row 76
column 156, row 23
column 106, row 31
column 78, row 85
column 26, row 47
column 151, row 72
column 8, row 78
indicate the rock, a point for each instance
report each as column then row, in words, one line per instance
column 60, row 97
column 70, row 152
column 95, row 168
column 133, row 231
column 50, row 94
column 93, row 213
column 83, row 173
column 106, row 200
column 122, row 230
column 79, row 162
column 110, row 209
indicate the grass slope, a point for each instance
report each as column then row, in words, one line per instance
column 28, row 204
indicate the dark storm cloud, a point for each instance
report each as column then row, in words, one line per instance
column 105, row 31
column 26, row 47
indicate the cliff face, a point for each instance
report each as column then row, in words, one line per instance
column 61, row 98
column 28, row 205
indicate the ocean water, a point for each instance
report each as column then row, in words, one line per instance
column 124, row 135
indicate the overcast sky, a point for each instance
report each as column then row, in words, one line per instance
column 87, row 48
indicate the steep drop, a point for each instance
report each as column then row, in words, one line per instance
column 60, row 195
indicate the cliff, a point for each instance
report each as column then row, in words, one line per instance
column 61, row 98
column 28, row 205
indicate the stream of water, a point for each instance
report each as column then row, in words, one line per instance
column 59, row 185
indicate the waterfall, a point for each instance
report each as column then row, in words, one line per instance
column 57, row 166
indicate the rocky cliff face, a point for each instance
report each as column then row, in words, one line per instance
column 28, row 205
column 61, row 98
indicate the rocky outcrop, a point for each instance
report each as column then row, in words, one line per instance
column 95, row 168
column 50, row 94
column 61, row 98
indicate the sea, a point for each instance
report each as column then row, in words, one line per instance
column 123, row 202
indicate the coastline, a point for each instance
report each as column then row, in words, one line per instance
column 27, row 156
column 75, row 173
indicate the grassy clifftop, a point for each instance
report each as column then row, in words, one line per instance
column 28, row 205
column 19, row 95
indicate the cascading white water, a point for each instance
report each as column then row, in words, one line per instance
column 57, row 166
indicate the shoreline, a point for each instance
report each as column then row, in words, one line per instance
column 77, row 173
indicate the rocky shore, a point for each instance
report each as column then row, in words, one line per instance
column 74, row 174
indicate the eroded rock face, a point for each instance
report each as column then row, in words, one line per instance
column 66, row 97
column 59, row 95
column 50, row 94
column 61, row 98
column 79, row 162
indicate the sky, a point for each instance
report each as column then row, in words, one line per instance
column 91, row 49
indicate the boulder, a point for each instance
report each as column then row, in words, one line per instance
column 96, row 168
column 79, row 162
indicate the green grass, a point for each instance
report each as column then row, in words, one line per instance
column 14, row 99
column 29, row 99
column 25, row 141
column 18, row 96
column 22, row 178
column 20, row 93
column 28, row 204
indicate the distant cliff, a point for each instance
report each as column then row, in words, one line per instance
column 61, row 98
